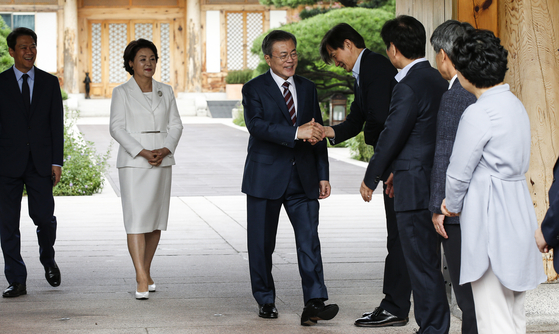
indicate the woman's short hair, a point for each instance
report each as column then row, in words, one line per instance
column 407, row 34
column 11, row 40
column 480, row 58
column 335, row 38
column 276, row 36
column 133, row 48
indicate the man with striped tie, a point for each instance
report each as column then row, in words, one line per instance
column 286, row 164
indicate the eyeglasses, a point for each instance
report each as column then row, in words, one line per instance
column 284, row 57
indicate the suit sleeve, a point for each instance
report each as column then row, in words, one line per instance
column 353, row 123
column 174, row 127
column 117, row 126
column 550, row 224
column 257, row 124
column 320, row 149
column 57, row 124
column 443, row 149
column 399, row 124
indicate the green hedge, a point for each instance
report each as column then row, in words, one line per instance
column 82, row 173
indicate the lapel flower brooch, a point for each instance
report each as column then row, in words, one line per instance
column 159, row 93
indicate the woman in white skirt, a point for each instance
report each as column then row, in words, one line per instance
column 145, row 122
column 485, row 182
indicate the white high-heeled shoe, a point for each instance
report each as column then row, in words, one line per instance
column 151, row 287
column 142, row 295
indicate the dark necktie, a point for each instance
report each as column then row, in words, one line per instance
column 25, row 93
column 289, row 102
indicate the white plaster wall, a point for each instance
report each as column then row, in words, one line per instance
column 213, row 61
column 46, row 30
column 277, row 18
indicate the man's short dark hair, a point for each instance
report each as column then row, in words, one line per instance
column 445, row 35
column 335, row 38
column 480, row 58
column 407, row 34
column 21, row 31
column 276, row 36
column 133, row 48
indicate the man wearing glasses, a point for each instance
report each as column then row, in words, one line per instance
column 286, row 164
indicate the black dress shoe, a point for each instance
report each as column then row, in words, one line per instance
column 15, row 290
column 52, row 274
column 268, row 311
column 380, row 318
column 316, row 310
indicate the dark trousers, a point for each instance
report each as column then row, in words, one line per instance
column 262, row 225
column 396, row 285
column 463, row 293
column 41, row 209
column 420, row 243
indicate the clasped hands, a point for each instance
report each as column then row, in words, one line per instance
column 155, row 157
column 313, row 132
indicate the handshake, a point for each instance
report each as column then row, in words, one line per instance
column 313, row 132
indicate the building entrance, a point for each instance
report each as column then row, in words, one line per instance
column 108, row 39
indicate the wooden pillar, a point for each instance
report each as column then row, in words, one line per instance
column 529, row 30
column 193, row 47
column 71, row 47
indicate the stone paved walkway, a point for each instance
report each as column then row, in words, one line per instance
column 201, row 268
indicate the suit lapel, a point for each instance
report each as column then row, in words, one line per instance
column 38, row 91
column 13, row 90
column 276, row 94
column 136, row 94
column 300, row 97
column 157, row 95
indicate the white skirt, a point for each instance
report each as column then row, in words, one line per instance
column 145, row 195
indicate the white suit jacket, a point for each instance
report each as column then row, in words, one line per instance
column 137, row 125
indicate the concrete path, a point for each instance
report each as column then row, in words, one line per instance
column 201, row 268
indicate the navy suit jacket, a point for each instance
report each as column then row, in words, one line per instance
column 42, row 133
column 407, row 143
column 372, row 99
column 453, row 104
column 272, row 148
column 550, row 224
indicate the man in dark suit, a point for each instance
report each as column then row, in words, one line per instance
column 547, row 236
column 407, row 145
column 374, row 81
column 31, row 138
column 283, row 167
column 453, row 104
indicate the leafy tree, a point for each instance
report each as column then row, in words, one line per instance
column 328, row 78
column 5, row 59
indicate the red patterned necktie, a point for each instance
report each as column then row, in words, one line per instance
column 289, row 102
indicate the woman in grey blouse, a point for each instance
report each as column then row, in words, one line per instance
column 485, row 183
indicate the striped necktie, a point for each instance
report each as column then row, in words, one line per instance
column 289, row 102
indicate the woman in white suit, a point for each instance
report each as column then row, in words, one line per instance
column 145, row 122
column 485, row 182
